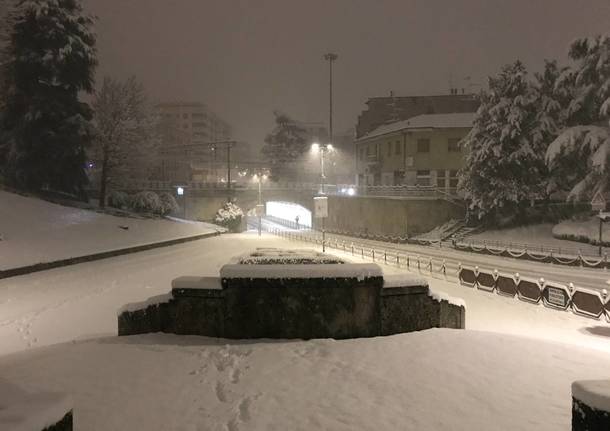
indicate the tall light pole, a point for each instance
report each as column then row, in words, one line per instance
column 330, row 57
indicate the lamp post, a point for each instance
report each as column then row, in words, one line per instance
column 259, row 208
column 322, row 149
column 330, row 57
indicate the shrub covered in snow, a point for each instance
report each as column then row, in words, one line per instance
column 146, row 202
column 229, row 216
column 117, row 199
column 168, row 203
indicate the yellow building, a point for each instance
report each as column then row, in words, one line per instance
column 424, row 150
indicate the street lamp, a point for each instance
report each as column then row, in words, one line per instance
column 260, row 177
column 322, row 149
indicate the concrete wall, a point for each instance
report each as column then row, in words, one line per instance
column 389, row 216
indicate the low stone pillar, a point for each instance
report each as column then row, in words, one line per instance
column 591, row 405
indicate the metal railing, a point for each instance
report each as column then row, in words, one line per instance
column 530, row 289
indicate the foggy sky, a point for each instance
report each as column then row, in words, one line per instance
column 246, row 58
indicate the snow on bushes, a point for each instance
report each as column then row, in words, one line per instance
column 168, row 203
column 117, row 199
column 146, row 202
column 229, row 216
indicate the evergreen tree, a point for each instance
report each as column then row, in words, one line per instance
column 125, row 137
column 51, row 53
column 284, row 146
column 578, row 158
column 551, row 99
column 504, row 166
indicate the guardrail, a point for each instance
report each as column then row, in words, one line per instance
column 329, row 189
column 538, row 254
column 533, row 290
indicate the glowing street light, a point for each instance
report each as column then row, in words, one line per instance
column 322, row 149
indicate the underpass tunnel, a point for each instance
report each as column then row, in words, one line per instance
column 288, row 212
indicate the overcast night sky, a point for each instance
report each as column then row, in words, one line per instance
column 246, row 58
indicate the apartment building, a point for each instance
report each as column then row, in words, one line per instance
column 424, row 150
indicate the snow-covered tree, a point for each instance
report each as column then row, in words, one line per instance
column 284, row 146
column 504, row 164
column 50, row 60
column 229, row 216
column 579, row 157
column 125, row 132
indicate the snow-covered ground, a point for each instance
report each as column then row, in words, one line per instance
column 588, row 228
column 537, row 235
column 511, row 369
column 33, row 231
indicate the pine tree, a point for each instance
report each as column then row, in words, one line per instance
column 284, row 146
column 125, row 133
column 52, row 56
column 504, row 165
column 551, row 99
column 578, row 158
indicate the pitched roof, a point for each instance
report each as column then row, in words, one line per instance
column 426, row 121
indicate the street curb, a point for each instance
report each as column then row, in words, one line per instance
column 43, row 266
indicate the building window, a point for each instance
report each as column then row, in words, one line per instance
column 370, row 151
column 397, row 148
column 453, row 179
column 362, row 153
column 422, row 178
column 440, row 178
column 423, row 145
column 185, row 115
column 453, row 145
column 389, row 145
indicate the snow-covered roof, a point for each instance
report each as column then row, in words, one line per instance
column 426, row 121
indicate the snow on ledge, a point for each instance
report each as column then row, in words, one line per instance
column 153, row 300
column 403, row 280
column 23, row 411
column 441, row 296
column 275, row 271
column 593, row 393
column 196, row 282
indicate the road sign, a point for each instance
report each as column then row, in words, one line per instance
column 598, row 203
column 320, row 206
column 260, row 210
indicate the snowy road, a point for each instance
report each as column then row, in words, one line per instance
column 80, row 301
column 582, row 277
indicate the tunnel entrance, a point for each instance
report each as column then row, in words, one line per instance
column 286, row 213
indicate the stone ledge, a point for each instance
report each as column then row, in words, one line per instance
column 591, row 405
column 292, row 308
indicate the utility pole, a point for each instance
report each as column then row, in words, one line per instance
column 229, row 165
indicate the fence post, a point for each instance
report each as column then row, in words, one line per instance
column 373, row 250
column 418, row 264
column 385, row 256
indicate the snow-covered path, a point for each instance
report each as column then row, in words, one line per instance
column 583, row 277
column 81, row 301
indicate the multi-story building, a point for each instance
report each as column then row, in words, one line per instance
column 424, row 150
column 188, row 132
